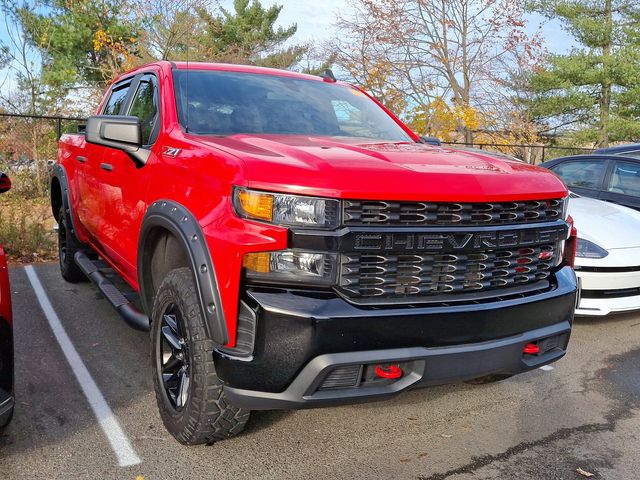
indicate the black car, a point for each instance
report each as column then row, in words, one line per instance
column 609, row 177
column 6, row 332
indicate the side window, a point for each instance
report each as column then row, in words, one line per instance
column 116, row 99
column 634, row 154
column 584, row 173
column 625, row 179
column 145, row 108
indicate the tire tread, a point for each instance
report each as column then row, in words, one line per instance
column 208, row 416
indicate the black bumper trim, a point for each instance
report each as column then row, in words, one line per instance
column 428, row 366
column 295, row 326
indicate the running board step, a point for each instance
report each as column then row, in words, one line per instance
column 123, row 306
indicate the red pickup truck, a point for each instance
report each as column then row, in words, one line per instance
column 294, row 245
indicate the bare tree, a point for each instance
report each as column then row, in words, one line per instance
column 434, row 51
column 169, row 26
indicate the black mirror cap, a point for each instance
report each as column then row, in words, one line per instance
column 5, row 183
column 117, row 131
column 435, row 141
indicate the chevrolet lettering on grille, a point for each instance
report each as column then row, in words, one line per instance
column 454, row 242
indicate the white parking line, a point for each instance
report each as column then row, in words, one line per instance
column 546, row 368
column 107, row 420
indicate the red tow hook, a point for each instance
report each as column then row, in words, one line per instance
column 531, row 349
column 388, row 371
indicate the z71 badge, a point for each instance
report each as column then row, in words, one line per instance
column 171, row 152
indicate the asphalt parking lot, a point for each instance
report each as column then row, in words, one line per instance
column 584, row 413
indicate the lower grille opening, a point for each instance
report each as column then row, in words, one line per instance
column 342, row 377
column 365, row 375
column 619, row 293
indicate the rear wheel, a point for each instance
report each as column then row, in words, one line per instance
column 190, row 396
column 68, row 245
column 5, row 418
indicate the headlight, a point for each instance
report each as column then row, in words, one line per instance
column 291, row 266
column 587, row 249
column 286, row 210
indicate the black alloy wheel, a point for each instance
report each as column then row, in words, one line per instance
column 62, row 239
column 174, row 358
column 68, row 245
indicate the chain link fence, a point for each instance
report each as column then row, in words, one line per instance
column 28, row 146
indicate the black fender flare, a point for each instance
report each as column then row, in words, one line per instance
column 60, row 173
column 175, row 218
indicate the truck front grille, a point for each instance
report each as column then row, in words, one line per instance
column 382, row 213
column 415, row 277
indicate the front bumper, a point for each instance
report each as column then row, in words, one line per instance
column 422, row 367
column 607, row 292
column 302, row 336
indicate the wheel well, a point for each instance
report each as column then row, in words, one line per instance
column 56, row 197
column 161, row 253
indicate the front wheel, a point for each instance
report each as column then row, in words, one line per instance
column 190, row 396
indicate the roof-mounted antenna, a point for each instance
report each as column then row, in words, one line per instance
column 328, row 76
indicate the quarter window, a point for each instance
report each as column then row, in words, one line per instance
column 625, row 179
column 116, row 100
column 584, row 174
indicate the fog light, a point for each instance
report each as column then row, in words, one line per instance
column 388, row 371
column 291, row 266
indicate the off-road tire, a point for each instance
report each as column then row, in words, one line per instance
column 68, row 245
column 206, row 416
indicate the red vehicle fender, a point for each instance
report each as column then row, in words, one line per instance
column 5, row 291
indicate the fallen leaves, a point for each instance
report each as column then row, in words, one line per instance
column 584, row 473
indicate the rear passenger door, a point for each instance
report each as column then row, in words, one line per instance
column 583, row 176
column 623, row 184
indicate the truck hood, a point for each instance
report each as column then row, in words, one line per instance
column 357, row 168
column 606, row 224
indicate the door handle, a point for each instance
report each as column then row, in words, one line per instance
column 106, row 166
column 81, row 159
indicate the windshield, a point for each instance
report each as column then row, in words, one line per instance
column 228, row 103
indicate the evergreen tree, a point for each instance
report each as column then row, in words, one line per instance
column 82, row 41
column 248, row 35
column 595, row 88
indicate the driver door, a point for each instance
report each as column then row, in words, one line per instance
column 125, row 182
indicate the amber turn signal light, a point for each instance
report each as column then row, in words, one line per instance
column 256, row 204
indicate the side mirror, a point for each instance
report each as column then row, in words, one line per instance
column 435, row 141
column 119, row 132
column 5, row 183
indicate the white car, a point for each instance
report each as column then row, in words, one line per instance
column 607, row 256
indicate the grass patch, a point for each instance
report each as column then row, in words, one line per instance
column 26, row 222
column 26, row 231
